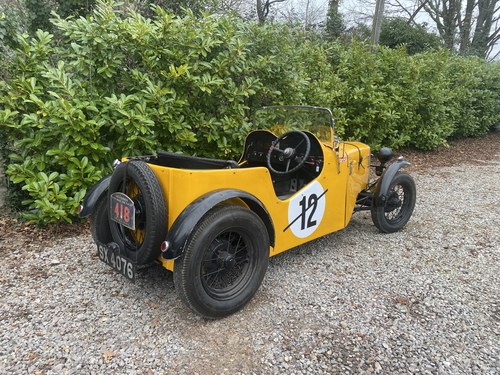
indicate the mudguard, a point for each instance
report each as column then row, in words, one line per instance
column 385, row 180
column 181, row 229
column 93, row 195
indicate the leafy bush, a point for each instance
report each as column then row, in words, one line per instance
column 66, row 8
column 114, row 84
column 393, row 99
column 368, row 96
column 389, row 98
column 475, row 101
column 38, row 14
column 398, row 32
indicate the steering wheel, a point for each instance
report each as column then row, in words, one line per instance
column 290, row 154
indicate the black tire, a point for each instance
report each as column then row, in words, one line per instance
column 141, row 245
column 99, row 222
column 399, row 204
column 210, row 278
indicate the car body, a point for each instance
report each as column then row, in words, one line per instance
column 215, row 223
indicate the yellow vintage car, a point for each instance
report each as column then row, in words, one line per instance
column 215, row 223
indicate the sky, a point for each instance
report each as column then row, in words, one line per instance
column 353, row 11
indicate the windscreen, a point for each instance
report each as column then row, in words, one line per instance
column 281, row 119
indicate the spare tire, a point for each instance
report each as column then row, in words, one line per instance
column 138, row 181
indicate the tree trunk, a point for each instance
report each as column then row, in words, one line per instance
column 260, row 12
column 466, row 27
column 450, row 22
column 480, row 42
column 377, row 23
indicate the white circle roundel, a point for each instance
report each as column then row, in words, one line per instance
column 306, row 210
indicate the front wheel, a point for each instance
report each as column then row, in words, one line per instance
column 224, row 262
column 399, row 204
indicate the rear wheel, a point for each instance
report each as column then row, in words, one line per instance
column 138, row 181
column 399, row 204
column 224, row 262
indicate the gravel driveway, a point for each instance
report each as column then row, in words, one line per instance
column 425, row 300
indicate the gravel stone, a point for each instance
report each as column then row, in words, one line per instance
column 421, row 301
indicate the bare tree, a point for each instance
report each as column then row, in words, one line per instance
column 467, row 26
column 224, row 6
column 471, row 26
column 308, row 13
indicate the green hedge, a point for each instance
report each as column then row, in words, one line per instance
column 115, row 84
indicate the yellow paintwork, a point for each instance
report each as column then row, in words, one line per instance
column 357, row 173
column 342, row 177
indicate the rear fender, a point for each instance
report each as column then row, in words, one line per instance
column 93, row 196
column 384, row 182
column 181, row 229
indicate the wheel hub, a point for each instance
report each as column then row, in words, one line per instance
column 140, row 213
column 229, row 261
column 393, row 202
column 224, row 258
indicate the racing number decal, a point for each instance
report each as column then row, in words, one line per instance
column 122, row 210
column 313, row 202
column 306, row 210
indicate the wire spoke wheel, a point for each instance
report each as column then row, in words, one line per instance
column 224, row 262
column 399, row 204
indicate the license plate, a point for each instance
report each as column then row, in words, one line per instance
column 113, row 258
column 122, row 210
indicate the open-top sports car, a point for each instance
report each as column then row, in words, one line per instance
column 215, row 223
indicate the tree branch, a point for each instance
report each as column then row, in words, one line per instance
column 496, row 55
column 402, row 7
column 274, row 1
column 268, row 4
column 495, row 35
column 419, row 8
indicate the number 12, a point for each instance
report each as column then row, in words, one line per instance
column 312, row 202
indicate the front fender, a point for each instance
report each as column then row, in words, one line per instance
column 93, row 195
column 384, row 182
column 181, row 229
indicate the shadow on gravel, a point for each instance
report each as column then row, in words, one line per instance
column 154, row 273
column 360, row 225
